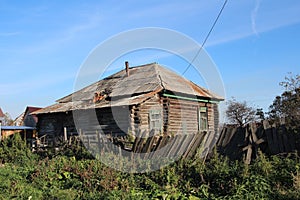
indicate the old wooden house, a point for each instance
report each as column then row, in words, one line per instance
column 136, row 100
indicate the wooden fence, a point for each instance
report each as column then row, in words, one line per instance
column 185, row 145
column 244, row 142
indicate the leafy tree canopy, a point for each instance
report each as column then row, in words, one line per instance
column 241, row 113
column 286, row 107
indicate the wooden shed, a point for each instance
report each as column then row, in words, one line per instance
column 27, row 133
column 138, row 100
column 27, row 118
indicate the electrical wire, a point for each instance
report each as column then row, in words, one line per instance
column 207, row 36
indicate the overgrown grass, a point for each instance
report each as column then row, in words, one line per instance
column 73, row 174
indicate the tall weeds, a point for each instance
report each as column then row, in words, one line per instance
column 73, row 174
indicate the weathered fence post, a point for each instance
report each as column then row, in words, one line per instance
column 65, row 134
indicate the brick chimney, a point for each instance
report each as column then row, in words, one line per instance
column 127, row 68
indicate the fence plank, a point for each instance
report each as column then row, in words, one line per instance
column 268, row 132
column 185, row 145
column 277, row 146
column 287, row 146
column 196, row 145
column 193, row 139
column 222, row 136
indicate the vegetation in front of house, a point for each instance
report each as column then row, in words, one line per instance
column 73, row 174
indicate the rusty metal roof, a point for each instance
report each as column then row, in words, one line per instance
column 129, row 90
column 31, row 109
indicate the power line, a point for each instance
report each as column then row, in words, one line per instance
column 207, row 36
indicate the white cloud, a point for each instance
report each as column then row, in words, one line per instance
column 253, row 16
column 8, row 34
column 267, row 19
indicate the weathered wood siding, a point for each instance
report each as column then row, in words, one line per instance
column 109, row 121
column 114, row 120
column 178, row 116
column 216, row 118
column 183, row 116
column 29, row 120
column 53, row 123
column 140, row 114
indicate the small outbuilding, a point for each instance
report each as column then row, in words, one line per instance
column 27, row 118
column 134, row 101
column 27, row 133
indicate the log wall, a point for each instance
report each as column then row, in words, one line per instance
column 139, row 116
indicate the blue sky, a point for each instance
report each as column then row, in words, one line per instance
column 43, row 44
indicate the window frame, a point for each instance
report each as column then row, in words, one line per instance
column 202, row 114
column 155, row 123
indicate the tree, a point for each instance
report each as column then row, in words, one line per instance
column 7, row 121
column 291, row 82
column 286, row 107
column 240, row 112
column 260, row 114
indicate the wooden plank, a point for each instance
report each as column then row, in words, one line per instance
column 268, row 132
column 246, row 147
column 180, row 145
column 151, row 145
column 147, row 146
column 277, row 146
column 173, row 146
column 280, row 141
column 247, row 134
column 193, row 138
column 227, row 134
column 162, row 142
column 184, row 145
column 253, row 132
column 233, row 148
column 88, row 143
column 230, row 133
column 208, row 142
column 248, row 156
column 287, row 146
column 222, row 135
column 292, row 141
column 261, row 140
column 137, row 141
column 168, row 144
column 159, row 145
column 196, row 144
column 65, row 134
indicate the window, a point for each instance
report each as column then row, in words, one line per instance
column 155, row 120
column 202, row 119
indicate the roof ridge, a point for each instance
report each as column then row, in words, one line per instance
column 144, row 65
column 159, row 75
